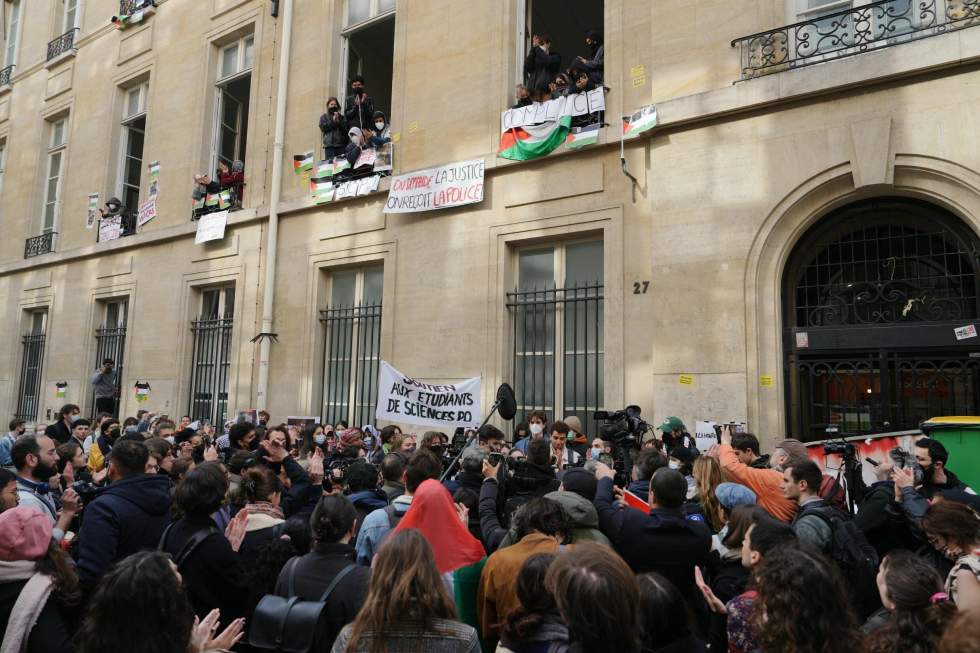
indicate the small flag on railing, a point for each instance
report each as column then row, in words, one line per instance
column 212, row 200
column 641, row 121
column 324, row 170
column 303, row 162
column 340, row 164
column 321, row 190
column 224, row 199
column 197, row 204
column 582, row 136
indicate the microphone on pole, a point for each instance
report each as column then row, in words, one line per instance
column 505, row 405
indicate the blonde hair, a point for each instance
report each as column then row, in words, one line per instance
column 707, row 475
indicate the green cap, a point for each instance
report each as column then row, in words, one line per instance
column 672, row 424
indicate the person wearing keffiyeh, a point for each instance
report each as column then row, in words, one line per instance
column 263, row 492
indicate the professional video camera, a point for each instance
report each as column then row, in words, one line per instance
column 623, row 427
column 86, row 491
column 840, row 448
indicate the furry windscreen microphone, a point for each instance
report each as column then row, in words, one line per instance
column 506, row 402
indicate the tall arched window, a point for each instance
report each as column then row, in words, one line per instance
column 880, row 299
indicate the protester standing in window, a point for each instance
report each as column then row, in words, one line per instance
column 540, row 67
column 359, row 105
column 104, row 382
column 333, row 126
column 593, row 65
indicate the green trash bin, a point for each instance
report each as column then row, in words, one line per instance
column 961, row 437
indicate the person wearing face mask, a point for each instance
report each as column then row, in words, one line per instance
column 35, row 459
column 536, row 421
column 16, row 428
column 353, row 151
column 360, row 105
column 932, row 459
column 333, row 127
column 98, row 455
column 381, row 134
column 60, row 431
column 953, row 529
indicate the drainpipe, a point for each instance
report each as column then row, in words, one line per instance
column 266, row 337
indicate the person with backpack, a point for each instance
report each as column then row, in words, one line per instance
column 832, row 532
column 207, row 560
column 330, row 565
column 422, row 466
column 263, row 495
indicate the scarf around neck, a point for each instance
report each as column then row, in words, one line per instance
column 31, row 600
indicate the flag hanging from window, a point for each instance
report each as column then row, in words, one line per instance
column 533, row 141
column 582, row 136
column 303, row 162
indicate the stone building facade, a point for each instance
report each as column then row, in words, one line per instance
column 795, row 245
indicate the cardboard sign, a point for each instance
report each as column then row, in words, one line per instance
column 576, row 104
column 147, row 211
column 704, row 435
column 110, row 228
column 211, row 226
column 455, row 184
column 408, row 401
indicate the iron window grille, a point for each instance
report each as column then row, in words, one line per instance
column 62, row 44
column 567, row 321
column 6, row 74
column 351, row 360
column 211, row 363
column 127, row 221
column 37, row 245
column 871, row 302
column 110, row 342
column 29, row 390
column 850, row 32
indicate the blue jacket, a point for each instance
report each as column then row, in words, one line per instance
column 128, row 516
column 376, row 526
column 6, row 442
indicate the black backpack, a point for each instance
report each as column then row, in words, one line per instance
column 288, row 624
column 856, row 558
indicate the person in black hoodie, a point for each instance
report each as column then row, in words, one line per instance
column 309, row 576
column 206, row 559
column 667, row 622
column 533, row 478
column 933, row 458
column 333, row 126
column 363, row 492
column 127, row 516
column 470, row 476
column 540, row 67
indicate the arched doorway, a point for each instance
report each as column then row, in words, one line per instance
column 875, row 300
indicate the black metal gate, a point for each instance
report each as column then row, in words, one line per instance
column 29, row 391
column 110, row 342
column 351, row 358
column 568, row 321
column 880, row 300
column 211, row 361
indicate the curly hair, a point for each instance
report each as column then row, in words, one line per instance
column 917, row 622
column 58, row 565
column 142, row 584
column 535, row 599
column 787, row 580
column 545, row 516
column 707, row 475
column 264, row 572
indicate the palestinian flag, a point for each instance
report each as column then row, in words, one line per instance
column 303, row 162
column 533, row 141
column 120, row 21
column 323, row 171
column 197, row 205
column 212, row 200
column 641, row 121
column 322, row 197
column 154, row 170
column 340, row 164
column 582, row 136
column 224, row 199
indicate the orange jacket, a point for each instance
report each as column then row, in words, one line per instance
column 766, row 483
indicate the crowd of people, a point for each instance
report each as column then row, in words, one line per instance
column 347, row 132
column 544, row 78
column 155, row 535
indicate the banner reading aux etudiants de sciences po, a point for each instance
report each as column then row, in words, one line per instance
column 405, row 400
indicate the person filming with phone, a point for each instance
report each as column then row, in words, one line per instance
column 105, row 383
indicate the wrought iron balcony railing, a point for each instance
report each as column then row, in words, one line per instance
column 116, row 227
column 62, row 44
column 6, row 74
column 850, row 32
column 127, row 7
column 37, row 245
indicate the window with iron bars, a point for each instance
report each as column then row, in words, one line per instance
column 31, row 363
column 557, row 321
column 211, row 356
column 110, row 342
column 351, row 346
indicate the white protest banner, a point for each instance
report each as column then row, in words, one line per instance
column 211, row 226
column 704, row 435
column 407, row 401
column 576, row 104
column 455, row 184
column 93, row 210
column 147, row 211
column 368, row 185
column 110, row 228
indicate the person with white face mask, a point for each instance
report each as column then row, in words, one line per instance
column 60, row 431
column 536, row 422
column 381, row 130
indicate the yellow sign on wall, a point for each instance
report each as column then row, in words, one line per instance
column 765, row 381
column 686, row 379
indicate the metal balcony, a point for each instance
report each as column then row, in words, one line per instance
column 850, row 32
column 37, row 245
column 127, row 7
column 62, row 44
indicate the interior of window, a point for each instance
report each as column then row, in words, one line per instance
column 566, row 22
column 13, row 24
column 233, row 114
column 370, row 54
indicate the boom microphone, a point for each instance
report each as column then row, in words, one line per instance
column 506, row 402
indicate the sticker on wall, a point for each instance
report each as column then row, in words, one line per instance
column 142, row 391
column 686, row 379
column 413, row 127
column 93, row 210
column 765, row 381
column 802, row 340
column 60, row 389
column 966, row 332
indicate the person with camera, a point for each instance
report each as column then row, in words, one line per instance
column 360, row 105
column 880, row 515
column 105, row 383
column 35, row 459
column 127, row 516
column 932, row 458
column 766, row 483
column 470, row 475
column 490, row 439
